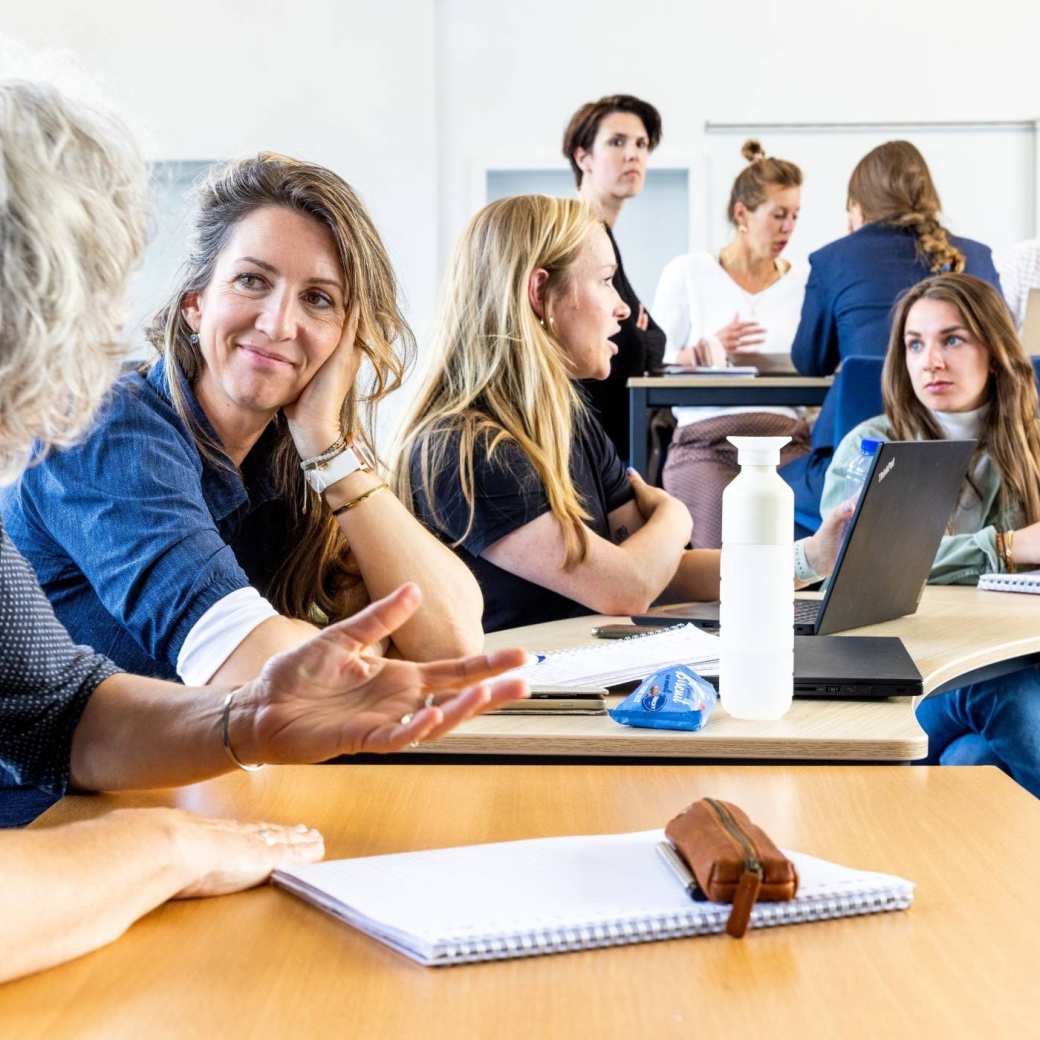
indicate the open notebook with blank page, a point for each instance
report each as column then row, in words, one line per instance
column 550, row 895
column 615, row 661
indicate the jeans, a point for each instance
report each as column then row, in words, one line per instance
column 996, row 722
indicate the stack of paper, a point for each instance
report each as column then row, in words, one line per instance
column 610, row 663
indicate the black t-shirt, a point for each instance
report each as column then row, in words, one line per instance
column 639, row 351
column 508, row 494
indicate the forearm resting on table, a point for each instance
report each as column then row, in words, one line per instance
column 67, row 890
column 696, row 579
column 391, row 547
column 654, row 567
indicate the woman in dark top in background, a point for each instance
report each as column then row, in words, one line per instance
column 502, row 458
column 895, row 240
column 607, row 143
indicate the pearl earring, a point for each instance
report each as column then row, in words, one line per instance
column 193, row 339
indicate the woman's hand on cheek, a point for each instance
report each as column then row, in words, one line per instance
column 314, row 417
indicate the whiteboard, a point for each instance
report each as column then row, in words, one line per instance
column 986, row 175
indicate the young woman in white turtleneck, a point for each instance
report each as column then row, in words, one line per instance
column 955, row 369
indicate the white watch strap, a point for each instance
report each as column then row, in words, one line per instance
column 325, row 474
column 803, row 569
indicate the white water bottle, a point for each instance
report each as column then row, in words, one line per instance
column 756, row 616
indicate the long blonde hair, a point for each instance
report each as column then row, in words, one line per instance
column 316, row 571
column 74, row 220
column 498, row 375
column 892, row 184
column 1011, row 435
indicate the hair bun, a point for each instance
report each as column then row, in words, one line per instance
column 752, row 150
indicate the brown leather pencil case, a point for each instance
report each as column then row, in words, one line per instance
column 733, row 860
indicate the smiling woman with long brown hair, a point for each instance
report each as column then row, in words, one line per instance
column 955, row 369
column 228, row 497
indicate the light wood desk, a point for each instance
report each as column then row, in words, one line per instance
column 955, row 631
column 960, row 962
column 646, row 392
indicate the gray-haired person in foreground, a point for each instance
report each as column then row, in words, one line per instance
column 73, row 222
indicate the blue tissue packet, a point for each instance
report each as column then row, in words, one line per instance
column 673, row 698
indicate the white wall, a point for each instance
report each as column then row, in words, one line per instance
column 346, row 84
column 510, row 77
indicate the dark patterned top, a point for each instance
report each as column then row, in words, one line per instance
column 45, row 681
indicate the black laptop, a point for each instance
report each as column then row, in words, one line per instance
column 882, row 566
column 854, row 667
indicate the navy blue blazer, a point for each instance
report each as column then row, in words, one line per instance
column 852, row 288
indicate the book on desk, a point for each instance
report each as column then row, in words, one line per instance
column 553, row 895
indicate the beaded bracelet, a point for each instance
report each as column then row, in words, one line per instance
column 323, row 456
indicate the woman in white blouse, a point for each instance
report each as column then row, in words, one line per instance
column 731, row 308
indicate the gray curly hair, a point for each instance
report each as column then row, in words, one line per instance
column 74, row 219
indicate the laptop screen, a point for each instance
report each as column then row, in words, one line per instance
column 883, row 564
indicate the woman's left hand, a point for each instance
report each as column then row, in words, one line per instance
column 314, row 417
column 332, row 696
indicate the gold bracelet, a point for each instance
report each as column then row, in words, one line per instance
column 1001, row 551
column 1009, row 541
column 357, row 501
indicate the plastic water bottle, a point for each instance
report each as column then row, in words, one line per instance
column 756, row 615
column 856, row 474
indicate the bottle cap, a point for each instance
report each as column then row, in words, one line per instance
column 869, row 446
column 758, row 451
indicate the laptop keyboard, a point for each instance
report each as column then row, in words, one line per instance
column 805, row 611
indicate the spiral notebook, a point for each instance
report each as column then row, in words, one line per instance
column 610, row 663
column 552, row 895
column 1021, row 581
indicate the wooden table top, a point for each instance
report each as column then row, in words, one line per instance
column 262, row 964
column 955, row 630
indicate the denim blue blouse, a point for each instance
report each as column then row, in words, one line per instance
column 134, row 534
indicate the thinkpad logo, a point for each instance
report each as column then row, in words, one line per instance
column 885, row 472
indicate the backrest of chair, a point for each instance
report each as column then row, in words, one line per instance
column 857, row 393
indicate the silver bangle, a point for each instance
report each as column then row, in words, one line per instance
column 225, row 723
